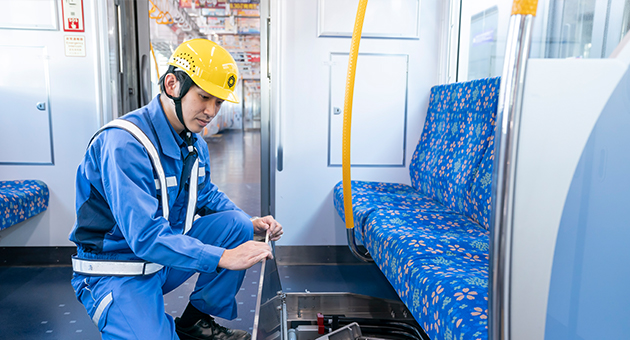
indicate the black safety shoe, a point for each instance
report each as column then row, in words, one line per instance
column 207, row 328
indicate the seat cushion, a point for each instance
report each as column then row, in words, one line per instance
column 369, row 197
column 438, row 264
column 20, row 200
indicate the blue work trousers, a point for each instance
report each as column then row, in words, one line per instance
column 132, row 307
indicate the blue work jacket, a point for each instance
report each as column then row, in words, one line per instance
column 119, row 214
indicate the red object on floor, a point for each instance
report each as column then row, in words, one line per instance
column 320, row 324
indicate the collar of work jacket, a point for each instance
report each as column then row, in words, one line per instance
column 171, row 147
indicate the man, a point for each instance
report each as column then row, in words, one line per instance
column 148, row 216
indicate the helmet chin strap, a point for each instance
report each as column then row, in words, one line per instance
column 185, row 86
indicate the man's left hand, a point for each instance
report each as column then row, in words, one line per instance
column 262, row 224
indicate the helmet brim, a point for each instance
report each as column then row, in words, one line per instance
column 218, row 91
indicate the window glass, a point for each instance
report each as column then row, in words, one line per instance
column 562, row 29
column 483, row 44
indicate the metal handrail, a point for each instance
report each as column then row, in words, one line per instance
column 365, row 257
column 506, row 148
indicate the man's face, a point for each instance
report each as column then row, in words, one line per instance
column 199, row 108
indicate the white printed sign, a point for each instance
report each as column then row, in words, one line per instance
column 75, row 45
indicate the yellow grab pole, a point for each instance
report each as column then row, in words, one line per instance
column 157, row 70
column 347, row 113
column 524, row 7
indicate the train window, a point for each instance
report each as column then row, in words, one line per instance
column 562, row 29
column 570, row 32
column 483, row 44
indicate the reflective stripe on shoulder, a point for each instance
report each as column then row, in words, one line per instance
column 153, row 155
column 163, row 182
column 192, row 197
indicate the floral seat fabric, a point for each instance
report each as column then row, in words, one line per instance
column 20, row 200
column 457, row 132
column 430, row 239
column 438, row 267
column 368, row 197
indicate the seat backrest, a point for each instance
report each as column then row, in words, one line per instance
column 457, row 131
column 479, row 204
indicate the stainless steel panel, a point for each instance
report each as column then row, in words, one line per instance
column 143, row 49
column 269, row 300
column 305, row 306
column 265, row 107
column 348, row 332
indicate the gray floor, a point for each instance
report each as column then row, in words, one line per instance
column 235, row 167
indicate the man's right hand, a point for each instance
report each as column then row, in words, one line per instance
column 245, row 255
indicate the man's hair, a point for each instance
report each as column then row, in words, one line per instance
column 180, row 75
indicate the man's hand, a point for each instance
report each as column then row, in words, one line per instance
column 245, row 255
column 262, row 224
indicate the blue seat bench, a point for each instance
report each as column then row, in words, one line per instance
column 20, row 200
column 430, row 238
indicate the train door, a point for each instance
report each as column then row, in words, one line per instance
column 308, row 54
column 233, row 25
column 51, row 104
column 129, row 61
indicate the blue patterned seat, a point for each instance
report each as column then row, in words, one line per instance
column 438, row 265
column 368, row 197
column 430, row 239
column 20, row 200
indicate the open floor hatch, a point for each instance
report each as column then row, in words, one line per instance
column 327, row 316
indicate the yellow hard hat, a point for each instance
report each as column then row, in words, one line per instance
column 210, row 67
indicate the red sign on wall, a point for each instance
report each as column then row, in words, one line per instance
column 72, row 13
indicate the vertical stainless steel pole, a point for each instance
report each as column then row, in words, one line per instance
column 506, row 148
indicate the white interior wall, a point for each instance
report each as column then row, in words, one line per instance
column 75, row 115
column 300, row 113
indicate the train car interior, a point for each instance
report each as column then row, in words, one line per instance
column 442, row 169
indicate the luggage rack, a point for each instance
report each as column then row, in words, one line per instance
column 326, row 316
